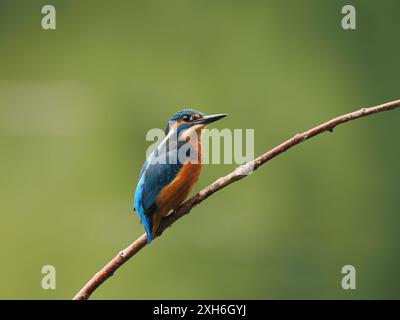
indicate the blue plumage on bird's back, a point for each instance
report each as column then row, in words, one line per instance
column 158, row 172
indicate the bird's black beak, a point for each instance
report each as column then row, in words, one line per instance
column 209, row 118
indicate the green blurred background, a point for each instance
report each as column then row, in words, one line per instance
column 75, row 106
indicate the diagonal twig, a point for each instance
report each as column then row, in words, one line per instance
column 238, row 174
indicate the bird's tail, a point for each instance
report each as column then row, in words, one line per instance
column 156, row 223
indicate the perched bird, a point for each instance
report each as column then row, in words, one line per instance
column 172, row 169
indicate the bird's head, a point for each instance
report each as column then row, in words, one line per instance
column 190, row 120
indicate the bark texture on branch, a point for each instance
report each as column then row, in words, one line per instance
column 238, row 174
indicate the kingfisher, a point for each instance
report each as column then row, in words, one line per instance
column 171, row 171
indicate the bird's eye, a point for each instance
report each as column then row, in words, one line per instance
column 185, row 118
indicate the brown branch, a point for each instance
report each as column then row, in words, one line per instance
column 238, row 174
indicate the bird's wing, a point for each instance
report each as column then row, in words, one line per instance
column 160, row 170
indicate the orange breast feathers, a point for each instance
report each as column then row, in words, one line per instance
column 177, row 191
